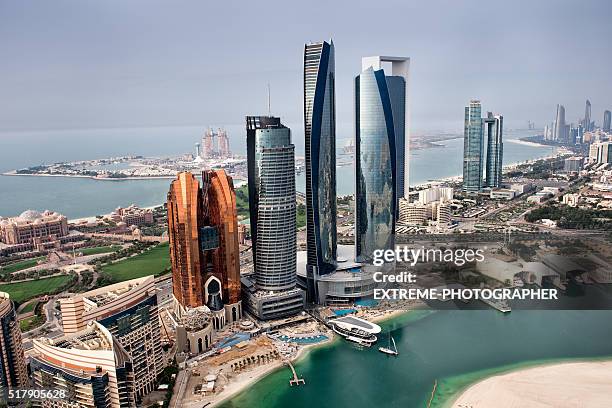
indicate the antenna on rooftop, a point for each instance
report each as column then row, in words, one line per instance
column 269, row 110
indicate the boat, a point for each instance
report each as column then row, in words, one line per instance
column 356, row 330
column 361, row 342
column 388, row 350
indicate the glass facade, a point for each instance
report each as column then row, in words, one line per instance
column 495, row 149
column 320, row 152
column 275, row 268
column 397, row 96
column 473, row 144
column 375, row 149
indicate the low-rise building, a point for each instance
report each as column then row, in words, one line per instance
column 132, row 215
column 33, row 230
column 573, row 164
column 129, row 311
column 521, row 188
column 502, row 193
column 571, row 199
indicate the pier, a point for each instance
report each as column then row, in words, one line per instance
column 295, row 380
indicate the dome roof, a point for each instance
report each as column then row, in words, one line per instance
column 30, row 215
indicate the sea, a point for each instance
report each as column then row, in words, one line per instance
column 449, row 347
column 81, row 197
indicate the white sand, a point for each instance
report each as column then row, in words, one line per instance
column 582, row 384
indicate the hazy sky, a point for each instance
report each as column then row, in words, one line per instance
column 67, row 64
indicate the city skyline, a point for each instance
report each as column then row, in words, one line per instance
column 126, row 90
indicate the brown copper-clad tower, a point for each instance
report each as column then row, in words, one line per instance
column 203, row 232
column 220, row 211
column 184, row 215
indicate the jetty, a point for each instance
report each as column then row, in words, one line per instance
column 295, row 380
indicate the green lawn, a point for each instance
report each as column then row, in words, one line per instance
column 29, row 307
column 17, row 266
column 100, row 250
column 31, row 322
column 151, row 262
column 22, row 291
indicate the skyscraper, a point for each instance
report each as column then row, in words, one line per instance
column 587, row 116
column 473, row 145
column 272, row 207
column 375, row 165
column 397, row 84
column 203, row 232
column 13, row 371
column 495, row 149
column 561, row 130
column 606, row 121
column 320, row 149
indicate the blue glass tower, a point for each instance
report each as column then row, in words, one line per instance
column 473, row 145
column 495, row 149
column 320, row 149
column 375, row 165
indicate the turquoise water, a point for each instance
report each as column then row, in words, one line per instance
column 78, row 198
column 453, row 347
column 344, row 312
column 304, row 340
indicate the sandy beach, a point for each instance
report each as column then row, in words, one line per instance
column 565, row 385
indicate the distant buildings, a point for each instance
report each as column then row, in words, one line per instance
column 203, row 232
column 129, row 311
column 474, row 149
column 39, row 230
column 561, row 129
column 429, row 195
column 606, row 121
column 272, row 206
column 375, row 164
column 320, row 158
column 13, row 371
column 586, row 123
column 600, row 152
column 215, row 144
column 90, row 365
column 132, row 215
column 417, row 213
column 473, row 145
column 495, row 149
column 573, row 164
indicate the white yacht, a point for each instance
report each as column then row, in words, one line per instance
column 388, row 350
column 356, row 330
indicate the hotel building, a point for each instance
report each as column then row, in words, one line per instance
column 204, row 253
column 13, row 371
column 129, row 311
column 34, row 231
column 90, row 365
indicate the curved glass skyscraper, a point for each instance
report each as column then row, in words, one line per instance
column 375, row 165
column 320, row 149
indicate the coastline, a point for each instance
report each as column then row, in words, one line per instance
column 254, row 376
column 559, row 382
column 259, row 373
